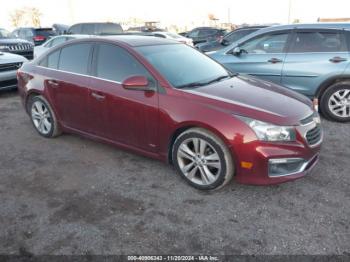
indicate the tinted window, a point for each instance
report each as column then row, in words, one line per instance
column 75, row 29
column 206, row 32
column 236, row 35
column 271, row 43
column 75, row 58
column 56, row 41
column 47, row 32
column 182, row 65
column 115, row 63
column 109, row 29
column 88, row 29
column 319, row 42
column 193, row 33
column 52, row 59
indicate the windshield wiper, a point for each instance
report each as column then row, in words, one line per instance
column 217, row 79
column 198, row 84
column 194, row 84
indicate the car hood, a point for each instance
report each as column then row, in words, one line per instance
column 11, row 58
column 255, row 98
column 13, row 41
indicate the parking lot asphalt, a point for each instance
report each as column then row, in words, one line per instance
column 70, row 195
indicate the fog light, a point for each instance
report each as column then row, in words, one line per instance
column 286, row 166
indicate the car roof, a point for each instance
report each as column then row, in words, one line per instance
column 71, row 35
column 287, row 27
column 138, row 40
column 307, row 26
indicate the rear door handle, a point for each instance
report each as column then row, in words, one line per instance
column 337, row 59
column 53, row 83
column 97, row 96
column 274, row 60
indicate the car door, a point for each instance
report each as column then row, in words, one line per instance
column 68, row 84
column 260, row 56
column 314, row 56
column 125, row 116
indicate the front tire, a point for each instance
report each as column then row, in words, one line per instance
column 202, row 159
column 335, row 102
column 42, row 116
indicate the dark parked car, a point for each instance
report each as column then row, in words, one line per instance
column 313, row 59
column 37, row 36
column 168, row 101
column 14, row 45
column 96, row 29
column 228, row 39
column 205, row 34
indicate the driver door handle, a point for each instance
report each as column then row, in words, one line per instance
column 97, row 96
column 274, row 60
column 53, row 83
column 337, row 59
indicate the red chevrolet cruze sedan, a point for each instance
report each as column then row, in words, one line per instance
column 168, row 101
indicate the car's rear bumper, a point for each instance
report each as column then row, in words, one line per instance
column 252, row 162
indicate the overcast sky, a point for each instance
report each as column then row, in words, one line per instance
column 181, row 12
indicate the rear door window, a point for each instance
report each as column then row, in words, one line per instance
column 327, row 41
column 75, row 58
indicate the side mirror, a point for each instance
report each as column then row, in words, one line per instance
column 224, row 42
column 136, row 83
column 236, row 51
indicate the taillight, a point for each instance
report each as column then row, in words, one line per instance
column 39, row 38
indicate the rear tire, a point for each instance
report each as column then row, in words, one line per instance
column 202, row 159
column 43, row 117
column 335, row 102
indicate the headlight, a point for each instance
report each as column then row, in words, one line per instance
column 270, row 132
column 3, row 47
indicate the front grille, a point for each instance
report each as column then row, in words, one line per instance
column 308, row 119
column 19, row 47
column 8, row 83
column 9, row 67
column 27, row 54
column 314, row 135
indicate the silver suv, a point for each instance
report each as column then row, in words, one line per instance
column 9, row 63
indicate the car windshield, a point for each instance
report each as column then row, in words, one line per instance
column 4, row 33
column 182, row 65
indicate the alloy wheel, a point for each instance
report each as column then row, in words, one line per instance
column 199, row 161
column 339, row 103
column 41, row 117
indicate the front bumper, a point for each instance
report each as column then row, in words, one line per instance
column 260, row 154
column 8, row 79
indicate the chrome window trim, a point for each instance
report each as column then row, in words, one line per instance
column 95, row 77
